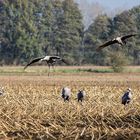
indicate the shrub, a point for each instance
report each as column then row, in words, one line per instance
column 118, row 61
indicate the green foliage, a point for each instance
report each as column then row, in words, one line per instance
column 68, row 28
column 104, row 28
column 118, row 61
column 19, row 32
column 38, row 27
column 44, row 27
column 96, row 34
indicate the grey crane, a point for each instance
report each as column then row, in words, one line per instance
column 120, row 40
column 51, row 60
column 2, row 91
column 127, row 97
column 81, row 95
column 66, row 93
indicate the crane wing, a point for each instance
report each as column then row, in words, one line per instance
column 106, row 44
column 33, row 61
column 59, row 59
column 127, row 36
column 64, row 61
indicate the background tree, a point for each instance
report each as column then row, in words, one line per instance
column 38, row 27
column 118, row 61
column 104, row 28
column 34, row 28
column 97, row 33
column 68, row 30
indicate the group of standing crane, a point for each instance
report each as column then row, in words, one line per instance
column 66, row 94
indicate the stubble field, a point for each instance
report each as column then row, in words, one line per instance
column 32, row 107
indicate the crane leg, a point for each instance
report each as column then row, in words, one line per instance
column 53, row 67
column 49, row 69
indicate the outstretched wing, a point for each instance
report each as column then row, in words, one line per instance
column 64, row 61
column 106, row 44
column 33, row 61
column 127, row 36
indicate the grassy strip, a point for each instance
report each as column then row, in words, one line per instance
column 85, row 70
column 72, row 70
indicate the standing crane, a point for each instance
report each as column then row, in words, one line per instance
column 126, row 98
column 66, row 93
column 81, row 95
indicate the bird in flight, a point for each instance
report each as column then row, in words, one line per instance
column 51, row 60
column 120, row 40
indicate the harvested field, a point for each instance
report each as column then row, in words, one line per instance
column 32, row 107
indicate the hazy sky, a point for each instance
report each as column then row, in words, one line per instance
column 92, row 8
column 116, row 3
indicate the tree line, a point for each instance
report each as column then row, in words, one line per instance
column 34, row 28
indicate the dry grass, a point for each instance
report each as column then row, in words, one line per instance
column 33, row 109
